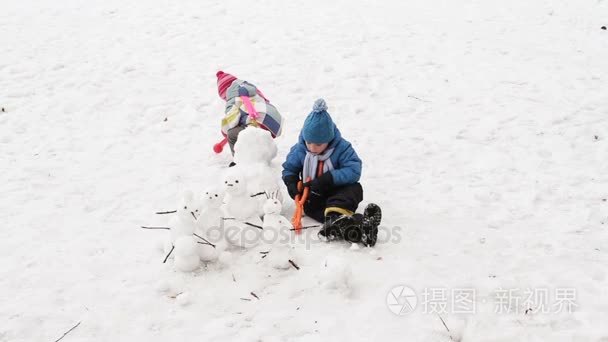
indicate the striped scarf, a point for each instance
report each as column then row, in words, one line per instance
column 312, row 160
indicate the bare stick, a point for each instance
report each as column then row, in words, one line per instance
column 259, row 194
column 206, row 242
column 253, row 294
column 233, row 278
column 166, row 212
column 167, row 257
column 307, row 227
column 446, row 327
column 294, row 264
column 67, row 332
column 253, row 225
column 165, row 228
column 417, row 98
column 247, row 299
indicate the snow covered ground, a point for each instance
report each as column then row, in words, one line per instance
column 482, row 125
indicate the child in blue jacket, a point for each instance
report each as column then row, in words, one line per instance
column 330, row 167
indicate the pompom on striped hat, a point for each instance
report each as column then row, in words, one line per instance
column 224, row 80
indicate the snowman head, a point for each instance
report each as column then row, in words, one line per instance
column 272, row 205
column 212, row 198
column 254, row 146
column 234, row 183
column 187, row 208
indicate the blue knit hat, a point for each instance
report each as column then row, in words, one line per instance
column 318, row 126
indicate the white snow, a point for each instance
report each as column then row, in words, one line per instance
column 483, row 127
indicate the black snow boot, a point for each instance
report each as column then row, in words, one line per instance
column 330, row 230
column 369, row 226
column 347, row 227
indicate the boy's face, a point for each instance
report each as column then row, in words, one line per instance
column 316, row 148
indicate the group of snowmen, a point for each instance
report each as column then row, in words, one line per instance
column 244, row 211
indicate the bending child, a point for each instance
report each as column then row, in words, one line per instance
column 246, row 105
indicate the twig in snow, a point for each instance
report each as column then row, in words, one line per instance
column 253, row 225
column 167, row 257
column 259, row 194
column 166, row 212
column 247, row 299
column 233, row 278
column 206, row 242
column 417, row 98
column 265, row 252
column 253, row 294
column 446, row 328
column 294, row 264
column 166, row 228
column 307, row 227
column 74, row 327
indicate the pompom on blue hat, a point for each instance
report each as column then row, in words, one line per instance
column 318, row 126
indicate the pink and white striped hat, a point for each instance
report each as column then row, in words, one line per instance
column 224, row 81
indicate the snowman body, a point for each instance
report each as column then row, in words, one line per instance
column 277, row 233
column 242, row 224
column 253, row 154
column 186, row 258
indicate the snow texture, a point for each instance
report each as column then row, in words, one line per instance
column 482, row 126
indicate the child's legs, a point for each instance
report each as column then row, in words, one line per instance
column 344, row 199
column 315, row 207
column 233, row 134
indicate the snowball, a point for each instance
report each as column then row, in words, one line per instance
column 207, row 252
column 225, row 259
column 254, row 145
column 278, row 257
column 335, row 273
column 183, row 299
column 186, row 263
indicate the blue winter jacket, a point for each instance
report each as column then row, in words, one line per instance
column 347, row 165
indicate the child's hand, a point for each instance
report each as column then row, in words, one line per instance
column 321, row 185
column 292, row 185
column 292, row 189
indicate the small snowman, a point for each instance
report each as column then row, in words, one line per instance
column 275, row 225
column 239, row 203
column 277, row 230
column 253, row 153
column 186, row 258
column 184, row 222
column 242, row 225
column 209, row 225
column 211, row 212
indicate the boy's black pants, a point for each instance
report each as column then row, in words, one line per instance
column 345, row 197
